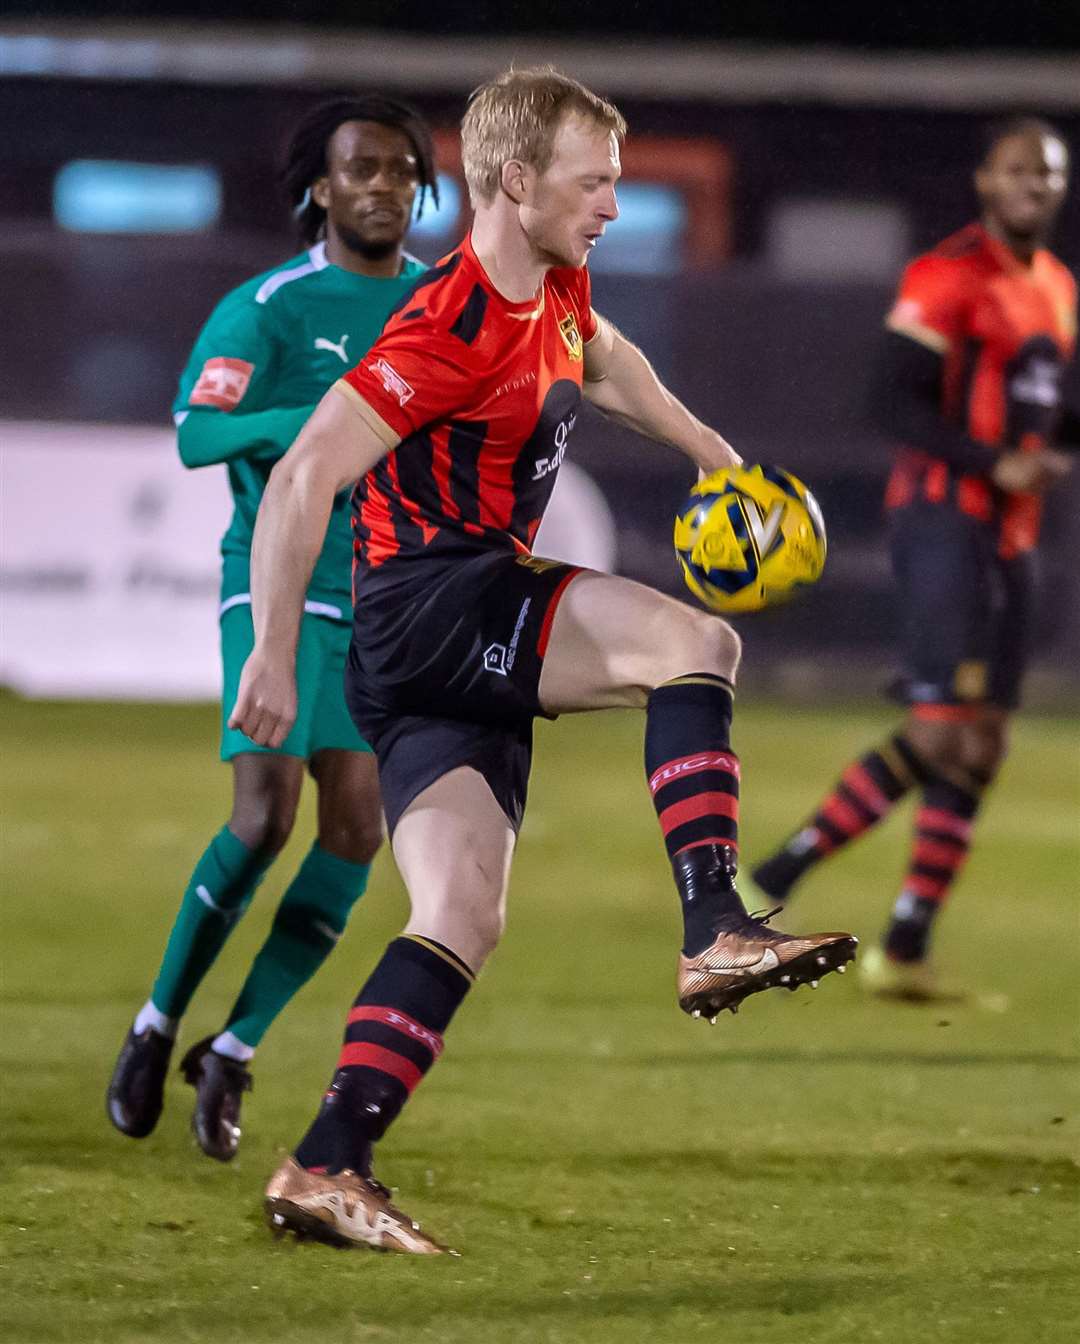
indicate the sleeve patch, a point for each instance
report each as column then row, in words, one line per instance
column 392, row 381
column 222, row 383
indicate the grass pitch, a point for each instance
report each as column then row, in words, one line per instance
column 823, row 1168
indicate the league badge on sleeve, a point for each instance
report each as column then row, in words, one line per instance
column 222, row 383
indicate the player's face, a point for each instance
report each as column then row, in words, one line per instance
column 1022, row 184
column 369, row 188
column 567, row 206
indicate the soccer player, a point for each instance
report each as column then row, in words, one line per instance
column 265, row 357
column 455, row 424
column 976, row 342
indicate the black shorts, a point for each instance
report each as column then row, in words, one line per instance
column 444, row 671
column 966, row 613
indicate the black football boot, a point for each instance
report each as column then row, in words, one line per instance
column 219, row 1084
column 137, row 1088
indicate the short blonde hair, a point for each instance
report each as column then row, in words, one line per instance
column 516, row 116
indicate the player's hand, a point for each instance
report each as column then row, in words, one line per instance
column 265, row 708
column 1030, row 473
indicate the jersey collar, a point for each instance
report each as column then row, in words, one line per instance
column 528, row 311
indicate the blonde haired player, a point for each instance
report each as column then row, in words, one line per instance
column 456, row 422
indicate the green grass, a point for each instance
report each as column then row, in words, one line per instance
column 823, row 1168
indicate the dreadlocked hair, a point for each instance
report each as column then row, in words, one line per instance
column 305, row 154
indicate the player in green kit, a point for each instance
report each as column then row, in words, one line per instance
column 261, row 364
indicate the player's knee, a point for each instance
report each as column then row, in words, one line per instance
column 355, row 839
column 701, row 644
column 473, row 913
column 263, row 821
column 984, row 746
column 936, row 743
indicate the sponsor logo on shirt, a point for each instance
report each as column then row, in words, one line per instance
column 392, row 381
column 222, row 383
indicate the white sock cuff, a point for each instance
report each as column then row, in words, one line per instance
column 149, row 1016
column 232, row 1047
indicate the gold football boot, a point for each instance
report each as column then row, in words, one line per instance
column 345, row 1210
column 744, row 954
column 748, row 956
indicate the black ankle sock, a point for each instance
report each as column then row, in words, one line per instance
column 705, row 878
column 908, row 936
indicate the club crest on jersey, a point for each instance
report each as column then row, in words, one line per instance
column 571, row 336
column 393, row 382
column 222, row 383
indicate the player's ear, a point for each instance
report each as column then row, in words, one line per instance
column 512, row 180
column 981, row 181
column 320, row 192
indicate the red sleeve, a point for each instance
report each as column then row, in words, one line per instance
column 932, row 303
column 414, row 375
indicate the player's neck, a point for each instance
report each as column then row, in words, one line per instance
column 1023, row 248
column 508, row 260
column 375, row 268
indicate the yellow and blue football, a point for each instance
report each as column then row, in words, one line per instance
column 747, row 537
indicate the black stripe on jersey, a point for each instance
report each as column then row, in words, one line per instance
column 468, row 322
column 430, row 277
column 407, row 532
column 415, row 468
column 464, row 444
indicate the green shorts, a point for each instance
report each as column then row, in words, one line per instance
column 322, row 721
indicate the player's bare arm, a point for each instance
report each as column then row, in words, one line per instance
column 340, row 443
column 621, row 382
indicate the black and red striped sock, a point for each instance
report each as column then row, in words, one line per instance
column 942, row 840
column 865, row 793
column 392, row 1037
column 694, row 781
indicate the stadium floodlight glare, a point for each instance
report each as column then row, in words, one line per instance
column 112, row 196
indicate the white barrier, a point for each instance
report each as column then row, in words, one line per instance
column 109, row 565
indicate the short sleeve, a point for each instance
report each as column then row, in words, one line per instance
column 932, row 303
column 414, row 375
column 232, row 360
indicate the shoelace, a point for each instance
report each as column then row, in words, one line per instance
column 763, row 916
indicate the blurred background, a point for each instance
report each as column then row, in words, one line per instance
column 782, row 165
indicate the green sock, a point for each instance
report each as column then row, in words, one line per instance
column 309, row 921
column 217, row 895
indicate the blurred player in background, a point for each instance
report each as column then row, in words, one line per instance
column 264, row 359
column 457, row 422
column 977, row 340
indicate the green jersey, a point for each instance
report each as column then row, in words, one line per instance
column 269, row 351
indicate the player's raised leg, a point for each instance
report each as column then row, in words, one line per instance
column 310, row 919
column 453, row 846
column 266, row 789
column 616, row 643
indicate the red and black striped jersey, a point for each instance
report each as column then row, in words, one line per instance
column 476, row 398
column 1005, row 331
